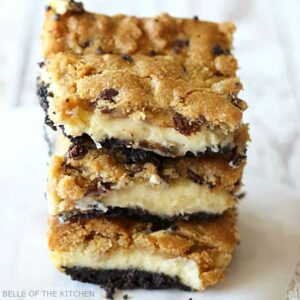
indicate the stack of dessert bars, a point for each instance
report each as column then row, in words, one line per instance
column 150, row 147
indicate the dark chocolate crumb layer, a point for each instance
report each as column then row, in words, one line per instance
column 158, row 222
column 43, row 94
column 111, row 280
column 132, row 155
column 141, row 155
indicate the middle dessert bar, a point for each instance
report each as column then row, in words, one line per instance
column 86, row 182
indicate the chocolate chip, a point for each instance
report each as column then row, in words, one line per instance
column 236, row 158
column 83, row 139
column 186, row 127
column 238, row 183
column 142, row 156
column 210, row 185
column 152, row 53
column 235, row 162
column 106, row 110
column 108, row 95
column 180, row 44
column 99, row 51
column 236, row 101
column 85, row 44
column 196, row 18
column 218, row 50
column 241, row 195
column 47, row 8
column 102, row 186
column 173, row 227
column 127, row 57
column 56, row 17
column 77, row 7
column 125, row 297
column 135, row 168
column 195, row 177
column 76, row 151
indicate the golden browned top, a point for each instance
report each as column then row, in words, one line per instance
column 205, row 242
column 85, row 170
column 158, row 69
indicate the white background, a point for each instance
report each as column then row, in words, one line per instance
column 267, row 45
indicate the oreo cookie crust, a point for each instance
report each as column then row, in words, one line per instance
column 111, row 280
column 84, row 181
column 160, row 222
column 190, row 254
column 108, row 83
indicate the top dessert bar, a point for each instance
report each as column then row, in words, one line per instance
column 162, row 84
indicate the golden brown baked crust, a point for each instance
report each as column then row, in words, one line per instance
column 219, row 233
column 208, row 243
column 164, row 71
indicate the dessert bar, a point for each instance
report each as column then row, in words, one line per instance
column 122, row 253
column 86, row 182
column 161, row 84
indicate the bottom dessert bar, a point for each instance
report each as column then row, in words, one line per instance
column 120, row 253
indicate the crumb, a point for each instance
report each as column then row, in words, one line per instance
column 108, row 95
column 180, row 44
column 194, row 177
column 99, row 51
column 127, row 57
column 76, row 151
column 85, row 44
column 152, row 53
column 56, row 17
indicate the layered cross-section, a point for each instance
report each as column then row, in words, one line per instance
column 86, row 182
column 150, row 147
column 122, row 253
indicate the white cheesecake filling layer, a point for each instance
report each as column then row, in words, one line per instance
column 185, row 269
column 180, row 197
column 139, row 131
column 183, row 197
column 101, row 127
